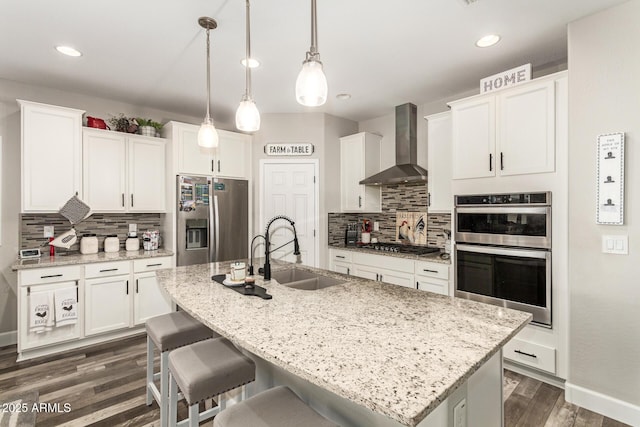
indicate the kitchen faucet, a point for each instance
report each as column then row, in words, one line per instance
column 267, row 244
column 251, row 263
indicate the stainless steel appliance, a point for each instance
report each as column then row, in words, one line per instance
column 503, row 251
column 212, row 219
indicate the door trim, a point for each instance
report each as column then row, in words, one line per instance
column 316, row 201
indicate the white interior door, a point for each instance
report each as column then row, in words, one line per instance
column 288, row 188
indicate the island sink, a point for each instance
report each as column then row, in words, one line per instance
column 303, row 279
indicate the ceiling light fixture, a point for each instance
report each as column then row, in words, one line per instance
column 208, row 135
column 311, row 85
column 247, row 114
column 253, row 63
column 69, row 51
column 488, row 40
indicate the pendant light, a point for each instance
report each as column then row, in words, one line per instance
column 311, row 85
column 247, row 115
column 208, row 135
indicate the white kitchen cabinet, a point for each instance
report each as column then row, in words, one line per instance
column 439, row 163
column 432, row 277
column 146, row 174
column 359, row 159
column 232, row 158
column 104, row 167
column 123, row 172
column 397, row 271
column 47, row 280
column 108, row 304
column 51, row 142
column 531, row 354
column 509, row 132
column 149, row 298
column 340, row 261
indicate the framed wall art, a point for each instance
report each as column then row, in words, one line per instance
column 610, row 179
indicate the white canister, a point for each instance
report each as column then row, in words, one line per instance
column 112, row 244
column 132, row 244
column 89, row 244
column 238, row 271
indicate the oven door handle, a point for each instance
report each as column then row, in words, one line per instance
column 527, row 253
column 493, row 209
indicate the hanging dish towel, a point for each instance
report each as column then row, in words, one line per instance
column 66, row 304
column 40, row 316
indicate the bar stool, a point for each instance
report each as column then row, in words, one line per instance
column 168, row 332
column 276, row 407
column 204, row 370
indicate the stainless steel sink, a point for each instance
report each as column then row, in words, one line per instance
column 303, row 279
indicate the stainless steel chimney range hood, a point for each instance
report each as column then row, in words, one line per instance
column 406, row 169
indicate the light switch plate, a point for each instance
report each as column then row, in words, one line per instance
column 615, row 244
column 376, row 226
column 48, row 231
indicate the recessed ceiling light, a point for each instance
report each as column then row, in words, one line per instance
column 488, row 40
column 68, row 50
column 253, row 63
column 343, row 96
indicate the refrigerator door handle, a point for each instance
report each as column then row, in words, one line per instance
column 212, row 233
column 216, row 225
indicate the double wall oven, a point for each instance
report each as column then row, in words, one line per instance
column 503, row 251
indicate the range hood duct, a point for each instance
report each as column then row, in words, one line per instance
column 406, row 169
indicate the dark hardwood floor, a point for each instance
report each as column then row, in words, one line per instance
column 105, row 386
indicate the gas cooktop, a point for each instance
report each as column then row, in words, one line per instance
column 398, row 248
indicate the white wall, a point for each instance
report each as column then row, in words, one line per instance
column 604, row 97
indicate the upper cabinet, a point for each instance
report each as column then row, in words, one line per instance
column 359, row 159
column 51, row 156
column 439, row 163
column 509, row 132
column 231, row 159
column 123, row 172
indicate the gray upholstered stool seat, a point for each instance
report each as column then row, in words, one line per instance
column 276, row 407
column 204, row 370
column 167, row 332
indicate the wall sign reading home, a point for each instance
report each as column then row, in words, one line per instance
column 289, row 149
column 505, row 79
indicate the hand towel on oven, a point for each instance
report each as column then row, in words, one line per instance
column 40, row 311
column 66, row 304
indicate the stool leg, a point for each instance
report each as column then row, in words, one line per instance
column 194, row 416
column 243, row 396
column 164, row 387
column 171, row 415
column 222, row 402
column 149, row 370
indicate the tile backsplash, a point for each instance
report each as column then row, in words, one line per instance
column 402, row 197
column 103, row 225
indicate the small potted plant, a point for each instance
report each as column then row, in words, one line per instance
column 148, row 127
column 122, row 123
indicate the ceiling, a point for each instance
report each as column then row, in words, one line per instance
column 384, row 53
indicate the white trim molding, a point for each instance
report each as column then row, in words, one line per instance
column 601, row 403
column 8, row 338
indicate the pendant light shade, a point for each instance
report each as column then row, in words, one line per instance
column 311, row 85
column 247, row 114
column 207, row 134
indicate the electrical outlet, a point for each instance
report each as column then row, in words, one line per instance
column 48, row 231
column 376, row 226
column 460, row 414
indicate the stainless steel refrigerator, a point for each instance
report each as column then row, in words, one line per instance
column 212, row 219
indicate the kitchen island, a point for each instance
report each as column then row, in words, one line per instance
column 362, row 352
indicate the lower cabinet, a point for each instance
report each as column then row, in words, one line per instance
column 384, row 275
column 108, row 304
column 149, row 300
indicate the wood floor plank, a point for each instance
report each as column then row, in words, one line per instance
column 527, row 387
column 586, row 418
column 563, row 414
column 608, row 422
column 540, row 406
column 514, row 408
column 508, row 385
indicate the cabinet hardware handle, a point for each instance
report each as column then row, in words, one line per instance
column 131, row 199
column 376, row 277
column 28, row 290
column 340, row 256
column 428, row 199
column 77, row 294
column 108, row 269
column 154, row 265
column 490, row 162
column 381, row 277
column 127, row 287
column 429, row 271
column 212, row 166
column 348, row 271
column 76, row 193
column 137, row 287
column 359, row 201
column 526, row 354
column 218, row 165
column 50, row 276
column 123, row 200
column 501, row 161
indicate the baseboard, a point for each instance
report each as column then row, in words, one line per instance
column 534, row 373
column 8, row 338
column 606, row 405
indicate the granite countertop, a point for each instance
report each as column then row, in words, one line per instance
column 78, row 258
column 432, row 257
column 397, row 351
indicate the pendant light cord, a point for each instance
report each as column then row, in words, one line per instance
column 314, row 31
column 208, row 76
column 248, row 41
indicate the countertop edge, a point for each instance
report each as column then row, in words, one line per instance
column 79, row 259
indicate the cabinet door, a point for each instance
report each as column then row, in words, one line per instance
column 341, row 267
column 27, row 340
column 107, row 304
column 192, row 159
column 146, row 175
column 104, row 158
column 149, row 299
column 430, row 284
column 473, row 125
column 351, row 172
column 365, row 272
column 526, row 129
column 51, row 159
column 396, row 278
column 439, row 163
column 233, row 156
